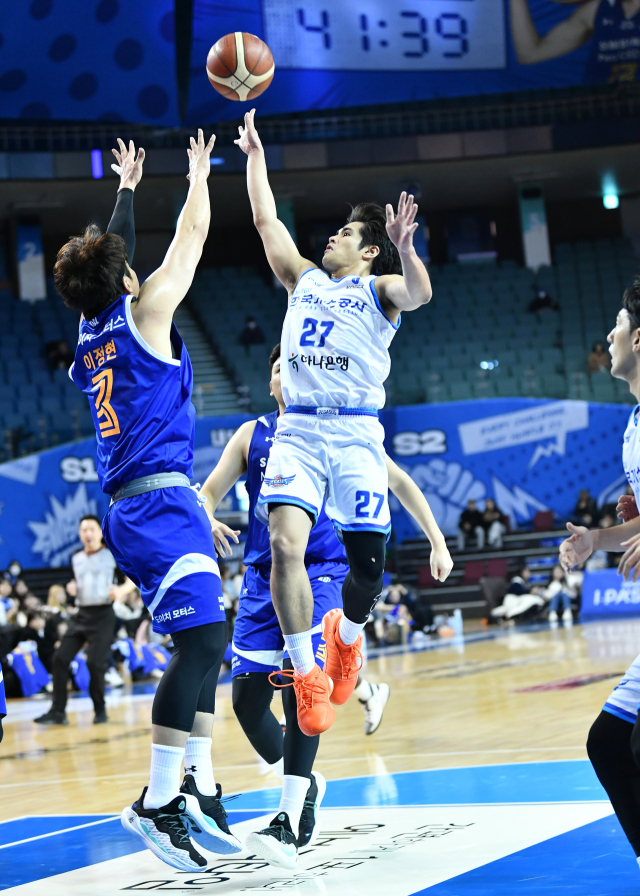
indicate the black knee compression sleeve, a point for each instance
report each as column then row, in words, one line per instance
column 196, row 652
column 252, row 694
column 299, row 750
column 609, row 749
column 363, row 585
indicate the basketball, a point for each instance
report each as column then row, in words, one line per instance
column 240, row 66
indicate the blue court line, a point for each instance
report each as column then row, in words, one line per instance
column 37, row 825
column 593, row 860
column 37, row 860
column 522, row 782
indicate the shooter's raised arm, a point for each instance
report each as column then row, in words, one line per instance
column 282, row 253
column 413, row 288
column 532, row 47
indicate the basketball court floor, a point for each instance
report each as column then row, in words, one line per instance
column 477, row 782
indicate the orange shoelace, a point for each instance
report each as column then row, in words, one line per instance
column 305, row 691
column 353, row 662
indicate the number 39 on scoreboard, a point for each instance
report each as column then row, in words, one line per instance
column 386, row 35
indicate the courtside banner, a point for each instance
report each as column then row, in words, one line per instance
column 526, row 454
column 605, row 593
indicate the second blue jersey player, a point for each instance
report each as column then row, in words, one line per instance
column 135, row 371
column 258, row 643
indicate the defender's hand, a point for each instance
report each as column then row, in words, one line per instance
column 220, row 534
column 402, row 226
column 577, row 548
column 630, row 559
column 129, row 166
column 627, row 509
column 441, row 562
column 200, row 156
column 248, row 139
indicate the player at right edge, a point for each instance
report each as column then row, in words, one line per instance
column 329, row 442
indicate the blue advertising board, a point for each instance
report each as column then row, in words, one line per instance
column 526, row 454
column 605, row 593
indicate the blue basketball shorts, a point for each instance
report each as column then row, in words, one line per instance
column 162, row 540
column 258, row 644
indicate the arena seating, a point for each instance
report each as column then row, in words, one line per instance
column 449, row 351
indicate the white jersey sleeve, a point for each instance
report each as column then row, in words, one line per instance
column 631, row 454
column 335, row 343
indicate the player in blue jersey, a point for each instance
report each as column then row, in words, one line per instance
column 612, row 26
column 3, row 704
column 258, row 645
column 614, row 739
column 133, row 367
column 328, row 449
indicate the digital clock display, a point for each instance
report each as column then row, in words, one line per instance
column 391, row 35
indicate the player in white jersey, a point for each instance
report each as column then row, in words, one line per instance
column 614, row 739
column 329, row 442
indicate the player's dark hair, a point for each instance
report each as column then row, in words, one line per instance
column 374, row 233
column 274, row 356
column 91, row 516
column 631, row 303
column 89, row 269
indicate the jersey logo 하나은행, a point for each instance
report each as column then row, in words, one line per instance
column 279, row 481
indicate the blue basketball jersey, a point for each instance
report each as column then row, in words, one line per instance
column 615, row 46
column 323, row 543
column 3, row 699
column 140, row 400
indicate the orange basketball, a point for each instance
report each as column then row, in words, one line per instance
column 240, row 66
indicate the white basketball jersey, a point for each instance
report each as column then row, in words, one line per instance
column 631, row 454
column 335, row 343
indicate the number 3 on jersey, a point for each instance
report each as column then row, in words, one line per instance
column 108, row 420
column 309, row 328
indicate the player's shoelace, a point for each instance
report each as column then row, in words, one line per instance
column 279, row 832
column 352, row 662
column 305, row 691
column 175, row 824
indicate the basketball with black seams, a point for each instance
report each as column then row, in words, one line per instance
column 240, row 66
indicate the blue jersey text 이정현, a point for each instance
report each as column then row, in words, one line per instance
column 140, row 400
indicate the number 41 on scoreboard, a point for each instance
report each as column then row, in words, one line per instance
column 386, row 35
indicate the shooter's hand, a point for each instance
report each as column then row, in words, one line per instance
column 248, row 139
column 129, row 166
column 200, row 157
column 402, row 226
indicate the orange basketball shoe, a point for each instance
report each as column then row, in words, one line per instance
column 343, row 661
column 313, row 690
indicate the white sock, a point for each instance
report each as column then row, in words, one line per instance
column 294, row 790
column 197, row 762
column 364, row 691
column 164, row 776
column 349, row 630
column 278, row 768
column 300, row 649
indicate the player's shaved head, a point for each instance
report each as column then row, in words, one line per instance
column 89, row 269
column 373, row 232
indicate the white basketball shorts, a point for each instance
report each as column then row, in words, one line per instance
column 340, row 459
column 624, row 701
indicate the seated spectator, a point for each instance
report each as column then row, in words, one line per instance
column 58, row 354
column 8, row 604
column 598, row 359
column 560, row 591
column 493, row 523
column 28, row 603
column 394, row 611
column 251, row 335
column 470, row 523
column 585, row 513
column 519, row 603
column 13, row 573
column 542, row 302
column 57, row 600
column 129, row 609
column 603, row 559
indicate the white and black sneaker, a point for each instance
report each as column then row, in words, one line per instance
column 276, row 844
column 206, row 819
column 374, row 707
column 309, row 829
column 164, row 832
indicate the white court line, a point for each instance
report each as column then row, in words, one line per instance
column 223, row 768
column 89, row 824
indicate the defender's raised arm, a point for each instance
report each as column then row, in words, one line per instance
column 163, row 291
column 285, row 260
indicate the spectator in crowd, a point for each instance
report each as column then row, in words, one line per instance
column 28, row 603
column 8, row 603
column 57, row 600
column 251, row 335
column 493, row 523
column 519, row 602
column 129, row 610
column 598, row 359
column 561, row 590
column 58, row 354
column 470, row 523
column 13, row 573
column 36, row 630
column 542, row 302
column 585, row 513
column 603, row 559
column 394, row 614
column 93, row 588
